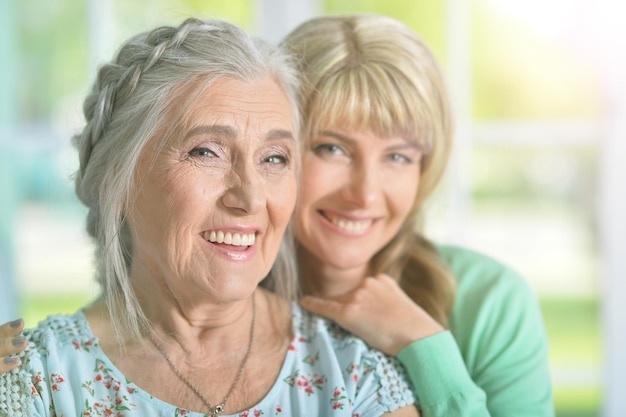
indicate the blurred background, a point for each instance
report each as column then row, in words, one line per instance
column 537, row 178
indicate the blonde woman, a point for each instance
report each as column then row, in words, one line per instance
column 378, row 131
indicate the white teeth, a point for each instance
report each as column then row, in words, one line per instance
column 351, row 226
column 235, row 239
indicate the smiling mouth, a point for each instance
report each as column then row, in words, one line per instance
column 348, row 225
column 228, row 238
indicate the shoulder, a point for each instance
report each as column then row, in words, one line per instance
column 348, row 363
column 60, row 329
column 60, row 334
column 497, row 323
column 480, row 277
column 466, row 261
column 314, row 331
column 59, row 344
column 28, row 381
column 56, row 339
column 494, row 306
column 491, row 298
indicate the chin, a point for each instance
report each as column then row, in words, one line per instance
column 235, row 289
column 346, row 262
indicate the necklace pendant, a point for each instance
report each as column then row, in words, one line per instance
column 219, row 408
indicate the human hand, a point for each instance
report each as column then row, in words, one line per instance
column 11, row 343
column 379, row 312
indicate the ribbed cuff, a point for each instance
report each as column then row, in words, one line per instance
column 436, row 368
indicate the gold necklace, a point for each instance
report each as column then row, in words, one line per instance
column 219, row 408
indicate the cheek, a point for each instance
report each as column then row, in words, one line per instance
column 313, row 189
column 179, row 201
column 158, row 219
column 281, row 197
column 307, row 193
column 289, row 202
column 299, row 215
column 402, row 193
column 319, row 179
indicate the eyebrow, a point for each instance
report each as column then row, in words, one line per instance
column 231, row 133
column 346, row 139
column 216, row 130
column 277, row 134
column 339, row 136
column 408, row 145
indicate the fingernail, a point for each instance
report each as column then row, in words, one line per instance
column 9, row 360
column 18, row 340
column 15, row 323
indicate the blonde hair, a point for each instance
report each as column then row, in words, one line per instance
column 140, row 96
column 372, row 72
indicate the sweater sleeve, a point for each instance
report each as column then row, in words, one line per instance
column 440, row 378
column 494, row 360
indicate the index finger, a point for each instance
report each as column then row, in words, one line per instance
column 12, row 328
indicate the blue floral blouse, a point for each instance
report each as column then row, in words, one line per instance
column 326, row 372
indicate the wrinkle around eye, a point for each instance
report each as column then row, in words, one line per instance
column 202, row 152
column 281, row 160
column 281, row 164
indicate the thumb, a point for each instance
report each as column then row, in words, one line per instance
column 321, row 306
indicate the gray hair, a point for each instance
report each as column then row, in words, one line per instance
column 131, row 102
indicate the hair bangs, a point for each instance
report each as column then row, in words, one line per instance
column 367, row 97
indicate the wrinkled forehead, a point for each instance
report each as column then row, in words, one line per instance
column 230, row 104
column 259, row 100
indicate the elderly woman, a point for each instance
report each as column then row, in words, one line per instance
column 188, row 166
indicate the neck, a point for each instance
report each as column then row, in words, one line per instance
column 325, row 280
column 218, row 324
column 216, row 347
column 189, row 318
column 197, row 338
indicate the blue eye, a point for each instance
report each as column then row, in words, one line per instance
column 277, row 160
column 200, row 151
column 328, row 148
column 397, row 157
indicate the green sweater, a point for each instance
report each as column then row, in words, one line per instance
column 494, row 359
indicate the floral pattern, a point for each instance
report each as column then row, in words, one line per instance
column 107, row 405
column 326, row 372
column 306, row 382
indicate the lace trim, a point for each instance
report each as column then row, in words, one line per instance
column 18, row 388
column 394, row 386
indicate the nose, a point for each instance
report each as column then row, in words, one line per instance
column 244, row 193
column 363, row 187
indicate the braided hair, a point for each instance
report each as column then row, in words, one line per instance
column 132, row 103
